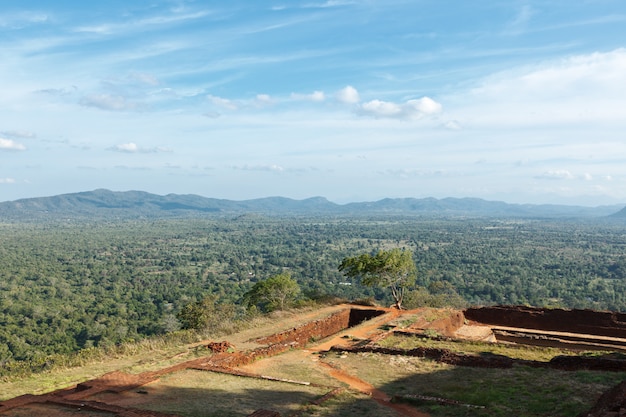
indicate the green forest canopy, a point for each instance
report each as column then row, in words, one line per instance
column 69, row 286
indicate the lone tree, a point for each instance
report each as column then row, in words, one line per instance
column 394, row 269
column 274, row 293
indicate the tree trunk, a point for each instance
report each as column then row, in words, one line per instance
column 397, row 294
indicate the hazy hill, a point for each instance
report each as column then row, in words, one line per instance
column 137, row 204
column 621, row 213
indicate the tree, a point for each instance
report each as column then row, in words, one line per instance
column 439, row 294
column 197, row 315
column 206, row 314
column 394, row 269
column 274, row 293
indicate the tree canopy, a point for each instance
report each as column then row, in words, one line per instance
column 71, row 285
column 274, row 293
column 205, row 314
column 394, row 269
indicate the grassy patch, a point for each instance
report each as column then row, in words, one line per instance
column 520, row 391
column 199, row 393
column 295, row 365
column 348, row 404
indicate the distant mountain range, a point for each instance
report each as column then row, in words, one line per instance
column 104, row 204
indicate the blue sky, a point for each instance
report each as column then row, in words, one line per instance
column 519, row 101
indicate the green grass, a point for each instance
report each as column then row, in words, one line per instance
column 193, row 393
column 294, row 365
column 348, row 404
column 519, row 391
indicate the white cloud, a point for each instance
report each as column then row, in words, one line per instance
column 316, row 96
column 22, row 19
column 175, row 18
column 7, row 181
column 127, row 147
column 132, row 147
column 133, row 168
column 259, row 101
column 582, row 74
column 11, row 145
column 348, row 95
column 110, row 102
column 411, row 109
column 380, row 108
column 269, row 168
column 57, row 92
column 144, row 78
column 20, row 134
column 578, row 89
column 263, row 99
column 328, row 3
column 558, row 174
column 140, row 24
column 102, row 29
column 409, row 173
column 223, row 102
column 425, row 105
column 452, row 125
column 519, row 24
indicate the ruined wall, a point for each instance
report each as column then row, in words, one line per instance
column 447, row 326
column 318, row 329
column 599, row 323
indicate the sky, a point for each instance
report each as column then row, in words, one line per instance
column 352, row 100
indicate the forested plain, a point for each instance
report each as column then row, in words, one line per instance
column 67, row 286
